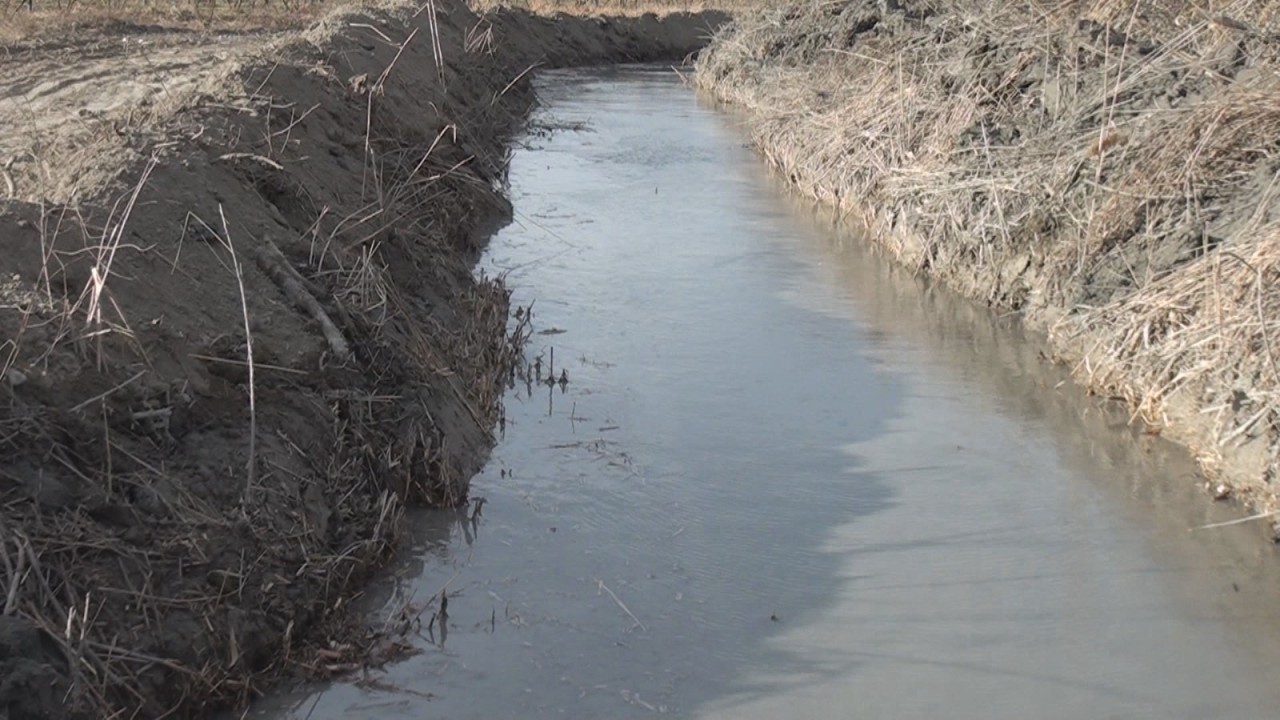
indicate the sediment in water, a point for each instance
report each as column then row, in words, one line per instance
column 1106, row 169
column 229, row 362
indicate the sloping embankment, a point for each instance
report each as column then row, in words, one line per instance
column 1107, row 168
column 228, row 362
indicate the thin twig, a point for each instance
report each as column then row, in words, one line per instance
column 1238, row 521
column 104, row 395
column 600, row 585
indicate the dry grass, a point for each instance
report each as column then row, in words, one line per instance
column 1209, row 330
column 1105, row 166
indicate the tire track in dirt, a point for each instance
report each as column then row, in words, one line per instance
column 52, row 103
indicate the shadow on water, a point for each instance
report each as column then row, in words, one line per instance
column 1141, row 477
column 1117, row 536
column 786, row 479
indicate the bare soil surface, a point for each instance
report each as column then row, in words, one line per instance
column 1105, row 169
column 239, row 332
column 62, row 96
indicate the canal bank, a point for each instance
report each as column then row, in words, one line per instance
column 1105, row 171
column 240, row 332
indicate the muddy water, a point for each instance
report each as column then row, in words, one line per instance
column 786, row 480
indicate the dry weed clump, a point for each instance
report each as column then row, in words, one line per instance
column 1183, row 178
column 1083, row 162
column 1206, row 332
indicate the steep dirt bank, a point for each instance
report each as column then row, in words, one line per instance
column 239, row 331
column 1108, row 169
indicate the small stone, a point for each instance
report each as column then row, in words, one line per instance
column 1221, row 492
column 15, row 377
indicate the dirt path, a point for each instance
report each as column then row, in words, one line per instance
column 95, row 85
column 239, row 333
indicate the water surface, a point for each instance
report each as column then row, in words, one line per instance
column 787, row 480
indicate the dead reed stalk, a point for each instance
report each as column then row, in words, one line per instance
column 251, row 469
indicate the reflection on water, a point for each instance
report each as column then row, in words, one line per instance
column 785, row 479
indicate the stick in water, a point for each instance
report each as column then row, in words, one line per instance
column 636, row 620
column 1237, row 521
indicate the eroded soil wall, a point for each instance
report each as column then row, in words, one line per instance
column 239, row 332
column 1106, row 169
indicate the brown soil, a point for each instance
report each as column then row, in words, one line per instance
column 1106, row 168
column 239, row 332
